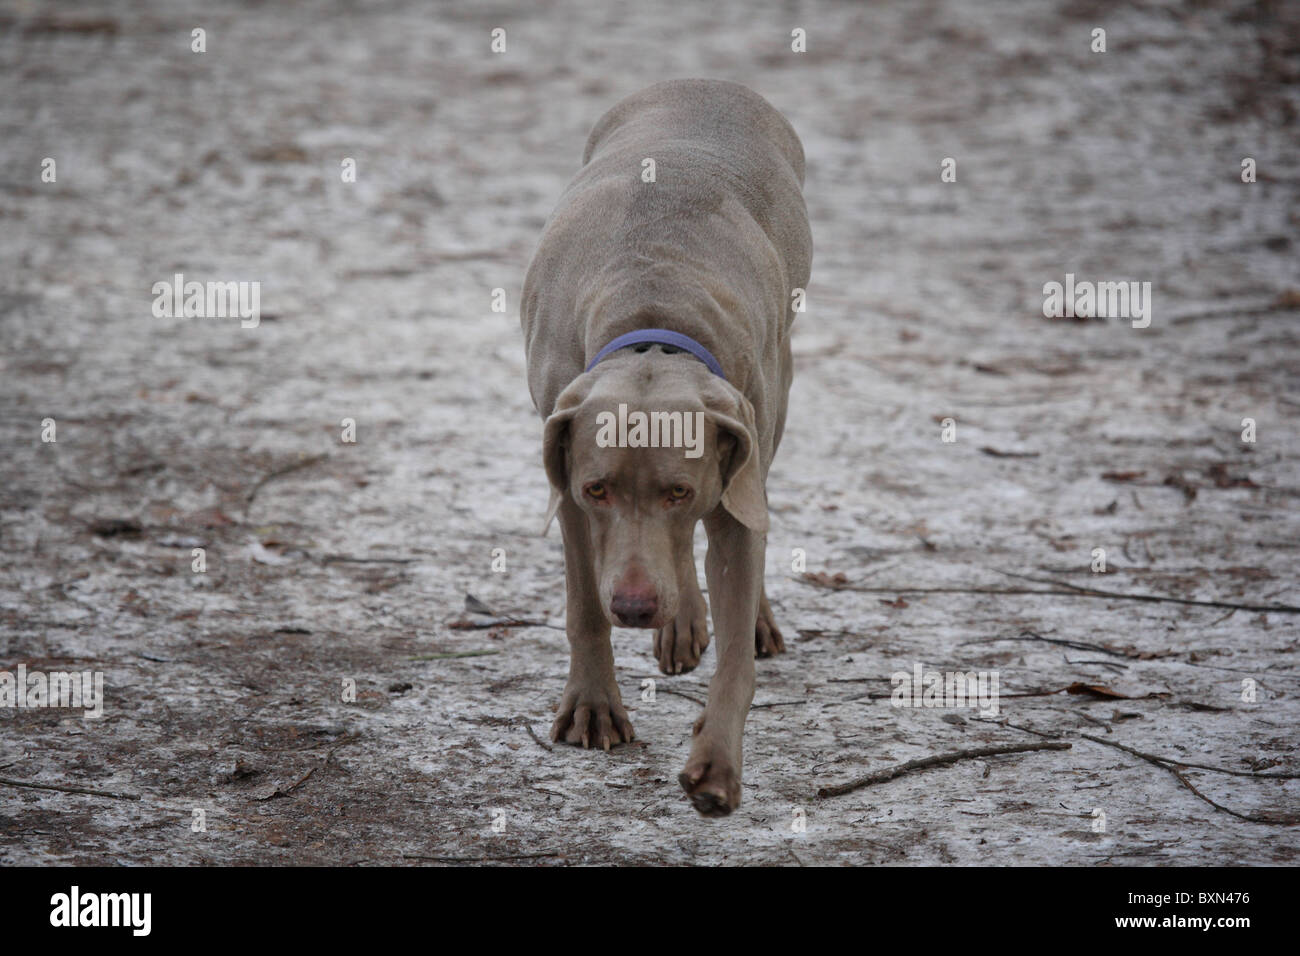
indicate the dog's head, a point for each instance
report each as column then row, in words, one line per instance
column 647, row 444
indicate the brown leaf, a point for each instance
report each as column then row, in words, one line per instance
column 824, row 580
column 207, row 518
column 1219, row 475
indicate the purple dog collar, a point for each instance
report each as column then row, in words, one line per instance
column 661, row 337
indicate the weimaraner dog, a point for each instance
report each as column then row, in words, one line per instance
column 656, row 314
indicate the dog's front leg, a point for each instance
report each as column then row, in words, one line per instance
column 734, row 569
column 679, row 643
column 591, row 710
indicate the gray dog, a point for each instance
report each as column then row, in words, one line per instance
column 656, row 314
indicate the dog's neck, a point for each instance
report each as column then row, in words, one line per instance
column 666, row 337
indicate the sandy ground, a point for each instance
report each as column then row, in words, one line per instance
column 330, row 561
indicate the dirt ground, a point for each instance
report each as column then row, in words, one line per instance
column 329, row 561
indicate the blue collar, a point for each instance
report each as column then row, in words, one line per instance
column 661, row 337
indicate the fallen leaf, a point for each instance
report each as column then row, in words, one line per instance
column 207, row 518
column 822, row 579
column 1218, row 473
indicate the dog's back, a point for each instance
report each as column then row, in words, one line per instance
column 711, row 246
column 698, row 110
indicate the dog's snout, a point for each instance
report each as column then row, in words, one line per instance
column 635, row 602
column 635, row 608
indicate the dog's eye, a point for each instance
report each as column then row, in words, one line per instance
column 679, row 493
column 596, row 491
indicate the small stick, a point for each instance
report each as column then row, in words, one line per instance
column 540, row 742
column 1156, row 598
column 1064, row 590
column 1029, row 730
column 1099, row 722
column 85, row 790
column 937, row 760
column 1111, row 664
column 462, row 625
column 349, row 559
column 853, row 680
column 1073, row 645
column 478, row 859
column 678, row 693
column 278, row 473
column 1171, row 766
column 1220, row 620
column 453, row 655
column 285, row 791
column 915, row 590
column 1155, row 758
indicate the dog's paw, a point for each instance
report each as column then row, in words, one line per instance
column 711, row 778
column 587, row 716
column 767, row 637
column 679, row 645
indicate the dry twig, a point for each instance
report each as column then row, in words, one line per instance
column 479, row 859
column 1164, row 763
column 285, row 791
column 278, row 473
column 531, row 733
column 61, row 789
column 1061, row 589
column 936, row 760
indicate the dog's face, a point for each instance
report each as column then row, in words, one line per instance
column 642, row 502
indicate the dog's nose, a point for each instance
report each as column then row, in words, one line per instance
column 635, row 609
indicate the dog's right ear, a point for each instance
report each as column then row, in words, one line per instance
column 555, row 443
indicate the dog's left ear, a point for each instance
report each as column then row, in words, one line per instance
column 555, row 443
column 743, row 494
